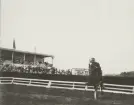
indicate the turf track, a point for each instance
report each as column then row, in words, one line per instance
column 27, row 95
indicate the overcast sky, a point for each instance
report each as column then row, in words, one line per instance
column 73, row 31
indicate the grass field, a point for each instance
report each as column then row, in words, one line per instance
column 27, row 95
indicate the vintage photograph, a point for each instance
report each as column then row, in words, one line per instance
column 66, row 52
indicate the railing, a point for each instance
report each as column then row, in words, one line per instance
column 113, row 88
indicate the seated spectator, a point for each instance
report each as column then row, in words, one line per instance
column 34, row 69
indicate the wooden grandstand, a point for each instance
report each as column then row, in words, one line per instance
column 17, row 57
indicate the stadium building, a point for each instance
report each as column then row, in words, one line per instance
column 23, row 58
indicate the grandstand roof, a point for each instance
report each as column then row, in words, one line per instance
column 26, row 52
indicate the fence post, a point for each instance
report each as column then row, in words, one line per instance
column 73, row 85
column 30, row 82
column 49, row 84
column 86, row 87
column 12, row 80
column 133, row 90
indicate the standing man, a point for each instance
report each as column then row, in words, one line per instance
column 95, row 72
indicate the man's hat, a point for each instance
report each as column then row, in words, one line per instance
column 91, row 59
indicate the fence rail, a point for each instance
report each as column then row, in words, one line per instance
column 113, row 88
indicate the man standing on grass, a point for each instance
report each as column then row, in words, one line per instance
column 95, row 73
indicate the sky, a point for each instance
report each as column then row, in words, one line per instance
column 72, row 31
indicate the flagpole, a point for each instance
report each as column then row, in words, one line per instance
column 0, row 22
column 12, row 57
column 0, row 25
column 14, row 47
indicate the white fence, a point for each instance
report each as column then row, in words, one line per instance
column 113, row 88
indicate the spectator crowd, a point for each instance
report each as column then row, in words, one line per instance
column 34, row 70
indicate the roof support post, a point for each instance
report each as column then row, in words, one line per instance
column 12, row 57
column 52, row 60
column 35, row 59
column 0, row 56
column 0, row 53
column 24, row 59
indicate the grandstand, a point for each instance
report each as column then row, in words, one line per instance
column 23, row 58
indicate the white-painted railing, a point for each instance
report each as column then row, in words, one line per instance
column 113, row 88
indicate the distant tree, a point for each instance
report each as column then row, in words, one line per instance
column 127, row 74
